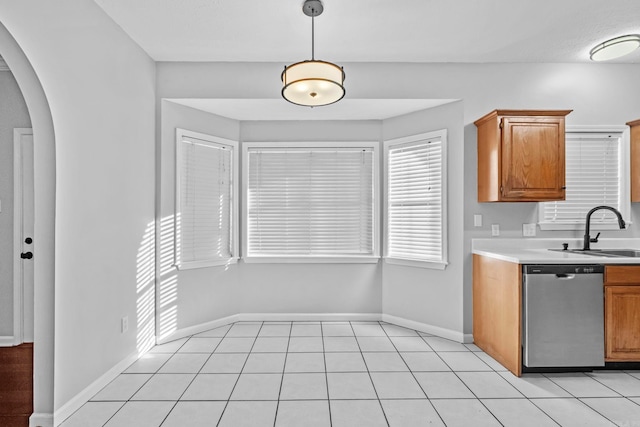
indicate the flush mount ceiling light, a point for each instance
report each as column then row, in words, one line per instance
column 615, row 48
column 313, row 83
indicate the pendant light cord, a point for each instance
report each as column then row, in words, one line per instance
column 313, row 53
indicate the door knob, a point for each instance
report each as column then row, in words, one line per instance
column 26, row 255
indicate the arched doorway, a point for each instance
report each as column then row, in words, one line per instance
column 44, row 185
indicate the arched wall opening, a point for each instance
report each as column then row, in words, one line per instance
column 44, row 233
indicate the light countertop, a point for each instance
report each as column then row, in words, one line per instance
column 536, row 251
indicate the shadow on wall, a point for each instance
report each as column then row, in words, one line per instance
column 145, row 290
column 167, row 310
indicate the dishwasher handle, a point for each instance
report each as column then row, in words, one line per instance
column 565, row 276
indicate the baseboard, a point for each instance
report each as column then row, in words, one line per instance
column 7, row 341
column 83, row 397
column 316, row 317
column 41, row 420
column 196, row 329
column 309, row 317
column 269, row 317
column 429, row 329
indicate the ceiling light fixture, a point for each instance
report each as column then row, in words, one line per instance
column 615, row 48
column 313, row 83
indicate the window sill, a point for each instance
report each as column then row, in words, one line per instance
column 344, row 259
column 204, row 264
column 594, row 226
column 433, row 265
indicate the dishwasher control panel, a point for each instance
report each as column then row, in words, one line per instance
column 563, row 269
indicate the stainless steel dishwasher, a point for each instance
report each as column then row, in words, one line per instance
column 563, row 316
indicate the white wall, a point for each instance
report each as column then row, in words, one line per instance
column 44, row 191
column 100, row 87
column 189, row 297
column 207, row 294
column 599, row 94
column 311, row 288
column 428, row 296
column 13, row 114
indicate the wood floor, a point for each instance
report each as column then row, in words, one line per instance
column 16, row 385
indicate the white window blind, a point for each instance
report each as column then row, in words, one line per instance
column 205, row 202
column 310, row 202
column 416, row 206
column 593, row 178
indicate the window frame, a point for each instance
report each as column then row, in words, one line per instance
column 234, row 228
column 624, row 184
column 389, row 144
column 338, row 259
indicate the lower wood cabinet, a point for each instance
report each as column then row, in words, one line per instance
column 622, row 313
column 497, row 310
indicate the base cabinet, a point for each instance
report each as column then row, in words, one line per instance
column 622, row 313
column 497, row 310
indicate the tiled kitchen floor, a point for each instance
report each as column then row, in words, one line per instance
column 351, row 374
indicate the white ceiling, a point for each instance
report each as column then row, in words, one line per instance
column 372, row 31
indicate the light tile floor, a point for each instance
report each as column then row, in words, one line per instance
column 347, row 374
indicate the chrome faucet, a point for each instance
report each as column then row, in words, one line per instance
column 587, row 238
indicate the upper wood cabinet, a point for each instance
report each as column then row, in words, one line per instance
column 635, row 160
column 521, row 156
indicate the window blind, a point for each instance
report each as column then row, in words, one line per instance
column 204, row 220
column 310, row 202
column 593, row 178
column 415, row 208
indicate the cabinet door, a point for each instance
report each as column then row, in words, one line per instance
column 622, row 323
column 533, row 162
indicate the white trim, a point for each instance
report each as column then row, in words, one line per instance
column 419, row 264
column 270, row 317
column 3, row 65
column 433, row 264
column 7, row 341
column 180, row 133
column 344, row 259
column 319, row 317
column 429, row 329
column 41, row 420
column 596, row 128
column 625, row 183
column 311, row 317
column 83, row 397
column 203, row 264
column 196, row 329
column 18, row 286
column 375, row 148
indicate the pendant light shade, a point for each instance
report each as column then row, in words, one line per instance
column 313, row 83
column 615, row 48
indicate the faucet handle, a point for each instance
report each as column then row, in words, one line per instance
column 595, row 239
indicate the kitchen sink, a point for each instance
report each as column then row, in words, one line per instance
column 614, row 253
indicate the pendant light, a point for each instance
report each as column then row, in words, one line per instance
column 615, row 48
column 313, row 83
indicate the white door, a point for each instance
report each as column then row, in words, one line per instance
column 23, row 236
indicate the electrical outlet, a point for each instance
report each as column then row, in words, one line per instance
column 495, row 230
column 529, row 230
column 124, row 324
column 477, row 220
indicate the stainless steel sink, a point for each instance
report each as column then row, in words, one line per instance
column 614, row 253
